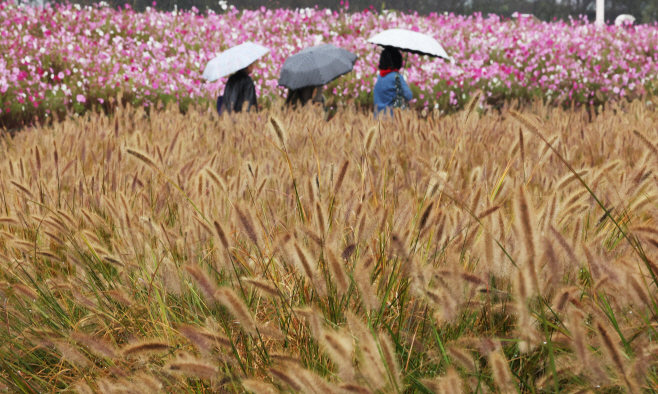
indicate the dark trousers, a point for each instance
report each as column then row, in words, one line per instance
column 220, row 103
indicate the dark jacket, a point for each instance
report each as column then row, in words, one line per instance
column 239, row 89
column 299, row 97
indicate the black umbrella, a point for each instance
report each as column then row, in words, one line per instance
column 316, row 66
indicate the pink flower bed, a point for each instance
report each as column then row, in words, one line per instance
column 68, row 57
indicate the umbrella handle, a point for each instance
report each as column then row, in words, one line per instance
column 405, row 62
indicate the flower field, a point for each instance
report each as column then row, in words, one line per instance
column 62, row 58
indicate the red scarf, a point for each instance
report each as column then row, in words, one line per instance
column 383, row 73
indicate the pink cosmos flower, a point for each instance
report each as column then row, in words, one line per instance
column 80, row 98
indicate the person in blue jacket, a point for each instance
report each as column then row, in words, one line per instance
column 384, row 93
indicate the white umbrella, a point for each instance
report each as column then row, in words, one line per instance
column 624, row 19
column 233, row 59
column 410, row 41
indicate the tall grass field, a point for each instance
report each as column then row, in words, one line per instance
column 480, row 252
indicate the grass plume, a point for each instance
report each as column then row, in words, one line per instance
column 237, row 307
column 384, row 262
column 147, row 347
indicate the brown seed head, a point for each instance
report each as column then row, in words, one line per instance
column 97, row 346
column 341, row 176
column 238, row 308
column 147, row 347
column 221, row 235
column 193, row 368
column 206, row 285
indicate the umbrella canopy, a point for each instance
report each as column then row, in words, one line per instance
column 233, row 59
column 316, row 66
column 410, row 41
column 624, row 19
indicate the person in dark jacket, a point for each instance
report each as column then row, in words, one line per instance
column 299, row 97
column 239, row 91
column 385, row 90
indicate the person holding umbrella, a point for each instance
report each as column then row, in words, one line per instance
column 300, row 97
column 240, row 89
column 391, row 91
column 306, row 72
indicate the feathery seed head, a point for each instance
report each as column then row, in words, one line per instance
column 238, row 309
column 147, row 347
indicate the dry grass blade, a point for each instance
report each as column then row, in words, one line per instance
column 193, row 368
column 23, row 189
column 340, row 348
column 263, row 286
column 147, row 384
column 612, row 349
column 142, row 157
column 388, row 352
column 648, row 143
column 278, row 130
column 341, row 176
column 357, row 261
column 248, row 227
column 238, row 309
column 258, row 387
column 470, row 106
column 467, row 113
column 196, row 336
column 216, row 179
column 501, row 372
column 97, row 346
column 221, row 235
column 285, row 378
column 338, row 274
column 370, row 139
column 423, row 218
column 72, row 355
column 206, row 285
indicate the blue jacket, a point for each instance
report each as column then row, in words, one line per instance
column 384, row 92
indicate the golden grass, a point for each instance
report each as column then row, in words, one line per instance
column 468, row 253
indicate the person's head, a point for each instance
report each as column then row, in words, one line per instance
column 391, row 59
column 250, row 68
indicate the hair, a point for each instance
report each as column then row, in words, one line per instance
column 390, row 59
column 246, row 69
